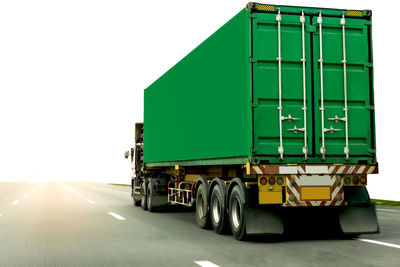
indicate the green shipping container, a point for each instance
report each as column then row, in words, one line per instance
column 263, row 89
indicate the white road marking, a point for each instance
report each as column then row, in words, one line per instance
column 77, row 193
column 26, row 195
column 117, row 216
column 206, row 264
column 379, row 243
column 15, row 202
column 90, row 201
column 389, row 210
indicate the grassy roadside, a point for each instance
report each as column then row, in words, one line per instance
column 385, row 202
column 121, row 184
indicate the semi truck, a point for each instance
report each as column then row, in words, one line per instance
column 272, row 114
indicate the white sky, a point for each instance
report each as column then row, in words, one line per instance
column 72, row 75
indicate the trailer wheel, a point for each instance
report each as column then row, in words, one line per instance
column 218, row 214
column 149, row 198
column 236, row 216
column 144, row 198
column 202, row 217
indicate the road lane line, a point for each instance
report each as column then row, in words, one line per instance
column 206, row 264
column 379, row 243
column 73, row 191
column 117, row 216
column 15, row 202
column 389, row 210
column 90, row 201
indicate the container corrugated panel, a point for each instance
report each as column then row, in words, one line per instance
column 219, row 105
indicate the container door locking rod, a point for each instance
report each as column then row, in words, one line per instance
column 279, row 59
column 320, row 60
column 304, row 108
column 305, row 148
column 345, row 119
column 345, row 109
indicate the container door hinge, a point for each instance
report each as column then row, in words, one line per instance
column 371, row 150
column 253, row 104
column 368, row 65
column 253, row 15
column 311, row 28
column 252, row 60
column 369, row 107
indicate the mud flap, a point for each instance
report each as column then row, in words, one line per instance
column 262, row 221
column 359, row 220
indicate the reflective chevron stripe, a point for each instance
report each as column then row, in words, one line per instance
column 314, row 169
column 293, row 191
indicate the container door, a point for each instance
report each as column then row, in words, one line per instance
column 342, row 82
column 281, row 85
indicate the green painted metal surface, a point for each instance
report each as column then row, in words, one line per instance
column 265, row 77
column 219, row 105
column 199, row 109
column 358, row 86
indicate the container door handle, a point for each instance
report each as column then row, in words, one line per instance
column 331, row 130
column 337, row 119
column 295, row 129
column 289, row 118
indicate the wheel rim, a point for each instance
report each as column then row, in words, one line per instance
column 236, row 212
column 199, row 206
column 216, row 209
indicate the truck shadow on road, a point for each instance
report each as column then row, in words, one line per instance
column 299, row 227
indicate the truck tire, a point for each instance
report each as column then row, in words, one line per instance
column 143, row 202
column 149, row 198
column 218, row 214
column 236, row 215
column 137, row 203
column 202, row 217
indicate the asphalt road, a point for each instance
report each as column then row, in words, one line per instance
column 93, row 224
